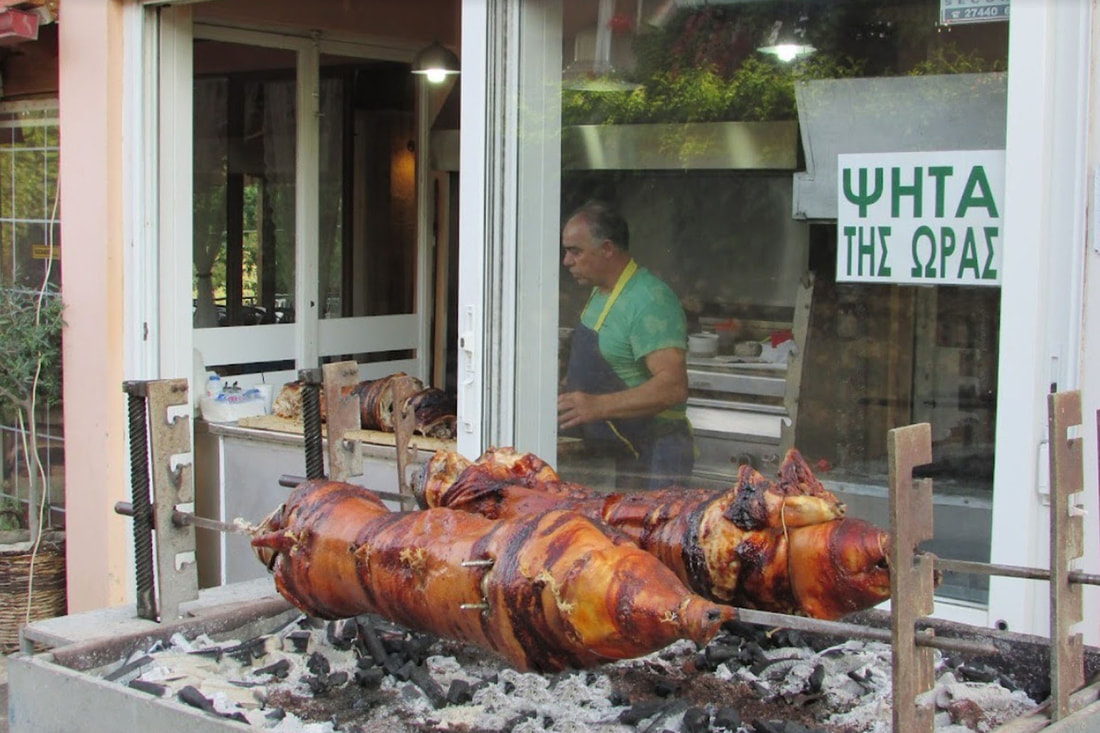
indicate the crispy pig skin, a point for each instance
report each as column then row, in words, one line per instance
column 560, row 593
column 762, row 544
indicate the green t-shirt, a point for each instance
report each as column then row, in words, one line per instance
column 646, row 316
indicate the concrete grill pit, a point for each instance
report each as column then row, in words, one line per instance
column 255, row 664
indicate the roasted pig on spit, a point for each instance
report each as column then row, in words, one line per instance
column 780, row 546
column 545, row 591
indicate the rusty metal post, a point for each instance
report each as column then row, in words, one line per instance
column 311, row 422
column 342, row 415
column 139, row 499
column 911, row 576
column 1067, row 670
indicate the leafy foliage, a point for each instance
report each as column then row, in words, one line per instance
column 30, row 348
column 760, row 89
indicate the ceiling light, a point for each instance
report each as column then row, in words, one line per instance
column 436, row 63
column 787, row 40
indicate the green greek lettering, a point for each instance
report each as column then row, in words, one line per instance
column 984, row 198
column 863, row 199
column 866, row 250
column 849, row 233
column 988, row 273
column 898, row 189
column 969, row 259
column 929, row 269
column 947, row 248
column 883, row 268
column 940, row 173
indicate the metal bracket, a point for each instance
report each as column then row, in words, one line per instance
column 1067, row 669
column 342, row 415
column 173, row 485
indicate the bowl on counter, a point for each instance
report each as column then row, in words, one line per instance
column 703, row 344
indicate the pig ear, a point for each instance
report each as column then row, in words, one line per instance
column 749, row 509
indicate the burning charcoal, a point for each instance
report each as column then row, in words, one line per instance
column 369, row 678
column 393, row 644
column 718, row 653
column 370, row 643
column 728, row 718
column 460, row 692
column 149, row 687
column 524, row 716
column 696, row 720
column 190, row 695
column 751, row 653
column 817, row 678
column 237, row 716
column 788, row 638
column 299, row 640
column 247, row 651
column 769, row 726
column 318, row 664
column 337, row 679
column 365, row 663
column 663, row 688
column 128, row 670
column 404, row 673
column 416, row 647
column 509, row 687
column 318, row 684
column 420, row 677
column 275, row 715
column 618, row 699
column 547, row 722
column 589, row 679
column 279, row 670
column 639, row 711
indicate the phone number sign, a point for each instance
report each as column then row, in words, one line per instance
column 972, row 11
column 929, row 218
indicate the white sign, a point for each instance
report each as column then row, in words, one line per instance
column 920, row 218
column 972, row 11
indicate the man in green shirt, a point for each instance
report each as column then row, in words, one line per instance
column 626, row 381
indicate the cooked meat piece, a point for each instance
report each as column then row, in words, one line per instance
column 435, row 412
column 559, row 593
column 288, row 402
column 761, row 544
column 376, row 401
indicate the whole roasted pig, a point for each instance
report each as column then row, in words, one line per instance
column 546, row 591
column 781, row 546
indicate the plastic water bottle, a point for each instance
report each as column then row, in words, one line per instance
column 213, row 386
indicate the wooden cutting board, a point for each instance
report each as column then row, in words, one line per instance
column 375, row 437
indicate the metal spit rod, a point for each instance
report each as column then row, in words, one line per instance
column 183, row 519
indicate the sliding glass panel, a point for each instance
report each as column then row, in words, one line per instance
column 723, row 296
column 367, row 188
column 244, row 168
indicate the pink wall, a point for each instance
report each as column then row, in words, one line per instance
column 91, row 47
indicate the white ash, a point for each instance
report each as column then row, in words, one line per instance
column 852, row 695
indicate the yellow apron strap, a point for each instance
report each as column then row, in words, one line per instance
column 624, row 277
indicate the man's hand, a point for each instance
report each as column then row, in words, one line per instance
column 667, row 387
column 577, row 408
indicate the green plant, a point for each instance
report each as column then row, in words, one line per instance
column 30, row 371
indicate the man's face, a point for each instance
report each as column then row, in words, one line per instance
column 583, row 255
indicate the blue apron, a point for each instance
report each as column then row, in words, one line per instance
column 650, row 452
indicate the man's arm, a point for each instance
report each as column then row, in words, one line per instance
column 667, row 387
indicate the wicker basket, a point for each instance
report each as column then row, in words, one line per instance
column 47, row 595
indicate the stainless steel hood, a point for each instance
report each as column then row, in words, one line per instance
column 680, row 146
column 665, row 146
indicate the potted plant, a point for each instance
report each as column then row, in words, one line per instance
column 32, row 570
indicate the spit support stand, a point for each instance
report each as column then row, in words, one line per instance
column 342, row 414
column 404, row 421
column 170, row 456
column 911, row 577
column 1067, row 654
